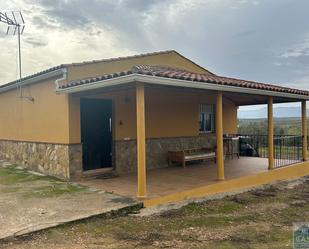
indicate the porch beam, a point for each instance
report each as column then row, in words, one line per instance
column 270, row 120
column 140, row 142
column 304, row 129
column 147, row 79
column 219, row 135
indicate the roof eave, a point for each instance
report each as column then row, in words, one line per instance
column 177, row 83
column 32, row 80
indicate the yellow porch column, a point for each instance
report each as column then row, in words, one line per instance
column 304, row 129
column 140, row 142
column 219, row 134
column 270, row 134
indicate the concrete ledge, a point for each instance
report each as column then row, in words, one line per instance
column 285, row 173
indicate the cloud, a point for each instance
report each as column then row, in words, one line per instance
column 263, row 40
column 299, row 49
column 35, row 42
column 43, row 23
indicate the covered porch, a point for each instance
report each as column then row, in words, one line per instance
column 152, row 115
column 226, row 170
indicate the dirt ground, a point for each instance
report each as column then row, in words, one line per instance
column 256, row 219
column 30, row 202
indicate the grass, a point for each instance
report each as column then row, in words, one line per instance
column 54, row 190
column 12, row 174
column 285, row 151
column 256, row 219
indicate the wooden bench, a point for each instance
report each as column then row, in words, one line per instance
column 183, row 156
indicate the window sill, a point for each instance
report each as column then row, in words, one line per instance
column 204, row 133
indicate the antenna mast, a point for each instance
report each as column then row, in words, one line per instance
column 16, row 23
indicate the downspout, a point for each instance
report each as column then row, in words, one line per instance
column 64, row 77
column 67, row 173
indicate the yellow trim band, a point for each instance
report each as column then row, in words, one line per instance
column 285, row 173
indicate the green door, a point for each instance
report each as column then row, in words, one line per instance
column 96, row 133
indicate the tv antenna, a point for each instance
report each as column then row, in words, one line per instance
column 15, row 24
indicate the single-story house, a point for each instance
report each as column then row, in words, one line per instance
column 127, row 114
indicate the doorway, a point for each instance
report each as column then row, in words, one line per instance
column 96, row 133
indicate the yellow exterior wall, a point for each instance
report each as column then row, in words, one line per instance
column 124, row 114
column 170, row 112
column 55, row 118
column 44, row 120
column 74, row 120
column 229, row 117
column 167, row 59
column 124, row 101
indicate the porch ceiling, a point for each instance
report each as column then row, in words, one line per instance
column 241, row 99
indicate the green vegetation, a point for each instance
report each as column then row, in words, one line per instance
column 54, row 190
column 12, row 174
column 283, row 148
column 282, row 126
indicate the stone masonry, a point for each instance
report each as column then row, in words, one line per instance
column 65, row 161
column 156, row 151
column 56, row 160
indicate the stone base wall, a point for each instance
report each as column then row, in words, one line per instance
column 56, row 160
column 75, row 160
column 65, row 161
column 156, row 151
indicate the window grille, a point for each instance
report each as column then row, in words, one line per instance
column 206, row 118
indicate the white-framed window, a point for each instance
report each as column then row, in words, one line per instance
column 207, row 118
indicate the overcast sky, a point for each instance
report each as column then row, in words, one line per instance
column 262, row 40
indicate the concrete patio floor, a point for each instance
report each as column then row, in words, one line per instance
column 31, row 202
column 161, row 182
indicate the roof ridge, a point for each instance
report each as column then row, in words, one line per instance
column 119, row 58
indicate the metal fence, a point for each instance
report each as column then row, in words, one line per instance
column 287, row 148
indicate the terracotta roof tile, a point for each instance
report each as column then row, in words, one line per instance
column 175, row 73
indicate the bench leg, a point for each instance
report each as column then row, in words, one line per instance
column 183, row 163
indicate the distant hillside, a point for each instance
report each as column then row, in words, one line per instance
column 279, row 112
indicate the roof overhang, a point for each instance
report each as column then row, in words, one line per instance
column 154, row 80
column 45, row 76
